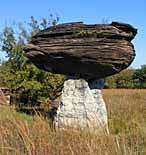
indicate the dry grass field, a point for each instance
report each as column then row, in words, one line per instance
column 21, row 134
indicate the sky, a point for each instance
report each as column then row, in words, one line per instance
column 88, row 11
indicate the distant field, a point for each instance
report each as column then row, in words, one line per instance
column 21, row 134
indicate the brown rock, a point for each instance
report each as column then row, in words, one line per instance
column 91, row 51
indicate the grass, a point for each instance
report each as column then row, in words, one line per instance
column 21, row 134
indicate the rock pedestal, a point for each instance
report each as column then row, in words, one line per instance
column 82, row 105
column 90, row 51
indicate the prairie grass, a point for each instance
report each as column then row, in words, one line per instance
column 21, row 134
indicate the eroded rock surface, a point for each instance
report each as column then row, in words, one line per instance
column 82, row 105
column 89, row 51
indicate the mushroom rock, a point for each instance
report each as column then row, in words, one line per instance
column 85, row 53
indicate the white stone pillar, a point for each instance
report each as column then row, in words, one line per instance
column 82, row 105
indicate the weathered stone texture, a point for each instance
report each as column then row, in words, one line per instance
column 89, row 51
column 82, row 105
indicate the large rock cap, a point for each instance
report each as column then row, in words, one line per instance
column 93, row 51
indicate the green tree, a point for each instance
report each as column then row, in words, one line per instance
column 140, row 77
column 24, row 80
column 124, row 79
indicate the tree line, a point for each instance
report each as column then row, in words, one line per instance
column 129, row 78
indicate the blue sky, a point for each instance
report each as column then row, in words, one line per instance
column 89, row 11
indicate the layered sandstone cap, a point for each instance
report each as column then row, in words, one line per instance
column 88, row 51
